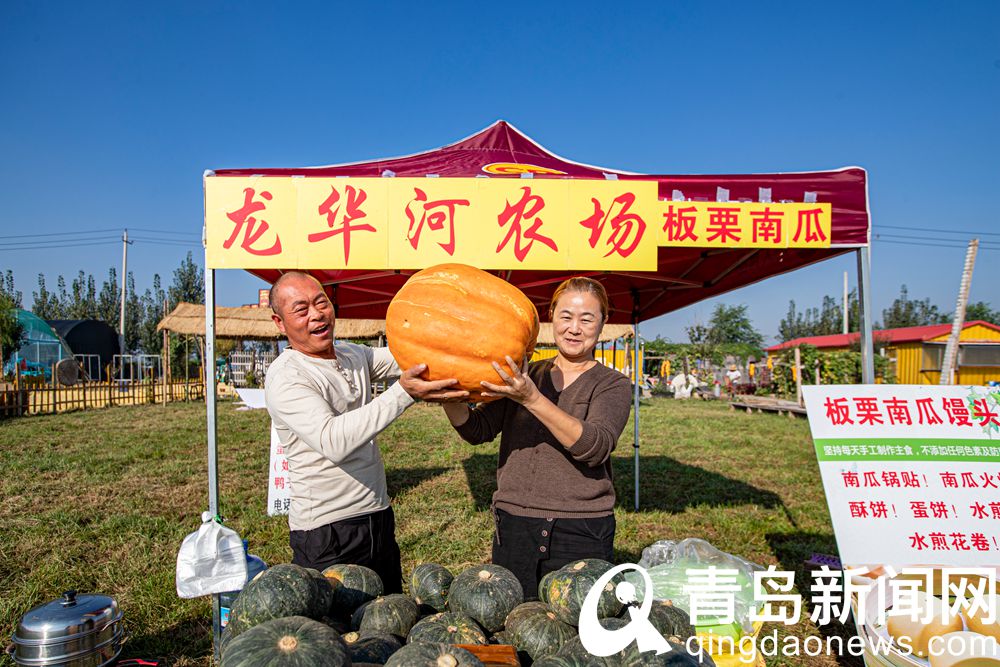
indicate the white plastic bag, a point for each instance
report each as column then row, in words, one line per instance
column 668, row 561
column 211, row 560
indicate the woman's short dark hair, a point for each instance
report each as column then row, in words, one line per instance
column 581, row 284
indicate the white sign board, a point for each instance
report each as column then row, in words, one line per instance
column 279, row 492
column 911, row 472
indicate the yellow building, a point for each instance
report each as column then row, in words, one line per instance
column 917, row 353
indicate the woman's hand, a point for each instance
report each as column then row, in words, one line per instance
column 517, row 386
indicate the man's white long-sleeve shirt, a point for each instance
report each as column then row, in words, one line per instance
column 328, row 431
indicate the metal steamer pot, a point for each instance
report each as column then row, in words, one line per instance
column 73, row 631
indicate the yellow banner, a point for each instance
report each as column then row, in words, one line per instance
column 698, row 224
column 413, row 223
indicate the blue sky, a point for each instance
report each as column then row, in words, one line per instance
column 112, row 111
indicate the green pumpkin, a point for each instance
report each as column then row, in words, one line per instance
column 543, row 585
column 373, row 648
column 359, row 615
column 670, row 621
column 569, row 661
column 279, row 591
column 393, row 614
column 425, row 654
column 295, row 641
column 522, row 611
column 448, row 627
column 503, row 637
column 353, row 585
column 486, row 593
column 574, row 648
column 324, row 594
column 429, row 584
column 679, row 657
column 568, row 588
column 541, row 634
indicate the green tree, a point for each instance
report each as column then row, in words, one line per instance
column 45, row 304
column 151, row 340
column 11, row 329
column 83, row 299
column 109, row 300
column 980, row 310
column 823, row 321
column 907, row 312
column 731, row 324
column 133, row 316
column 7, row 288
column 188, row 284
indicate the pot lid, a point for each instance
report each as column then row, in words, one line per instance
column 69, row 616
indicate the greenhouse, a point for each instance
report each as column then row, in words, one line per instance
column 41, row 350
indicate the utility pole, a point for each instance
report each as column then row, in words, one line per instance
column 950, row 361
column 121, row 321
column 847, row 329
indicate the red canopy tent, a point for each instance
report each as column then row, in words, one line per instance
column 684, row 275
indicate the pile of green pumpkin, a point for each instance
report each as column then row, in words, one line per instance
column 292, row 616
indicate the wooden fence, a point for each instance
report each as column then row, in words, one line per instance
column 39, row 399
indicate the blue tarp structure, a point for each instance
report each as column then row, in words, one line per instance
column 42, row 347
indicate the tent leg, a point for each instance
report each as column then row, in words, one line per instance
column 865, row 308
column 637, row 374
column 213, row 453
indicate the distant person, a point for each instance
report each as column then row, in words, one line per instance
column 559, row 420
column 319, row 397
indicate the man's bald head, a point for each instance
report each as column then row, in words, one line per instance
column 279, row 288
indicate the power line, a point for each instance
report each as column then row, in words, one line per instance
column 166, row 231
column 62, row 234
column 68, row 245
column 43, row 244
column 934, row 245
column 938, row 231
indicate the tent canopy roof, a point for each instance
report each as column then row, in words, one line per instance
column 684, row 275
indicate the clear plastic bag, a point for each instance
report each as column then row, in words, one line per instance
column 210, row 560
column 667, row 563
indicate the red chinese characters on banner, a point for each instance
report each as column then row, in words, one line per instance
column 767, row 226
column 679, row 224
column 723, row 225
column 252, row 228
column 627, row 228
column 524, row 211
column 437, row 215
column 941, row 541
column 981, row 412
column 352, row 198
column 809, row 226
column 899, row 411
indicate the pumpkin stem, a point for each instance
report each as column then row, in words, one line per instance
column 485, row 575
column 288, row 643
column 447, row 661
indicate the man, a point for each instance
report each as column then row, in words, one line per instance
column 319, row 398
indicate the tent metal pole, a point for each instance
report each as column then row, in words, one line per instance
column 213, row 452
column 636, row 374
column 865, row 308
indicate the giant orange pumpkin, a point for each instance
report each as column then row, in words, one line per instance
column 458, row 320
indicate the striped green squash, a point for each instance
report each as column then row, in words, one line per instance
column 486, row 593
column 294, row 641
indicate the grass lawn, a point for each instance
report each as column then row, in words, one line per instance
column 99, row 501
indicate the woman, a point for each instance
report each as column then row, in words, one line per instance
column 560, row 419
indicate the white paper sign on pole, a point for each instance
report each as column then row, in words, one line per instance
column 279, row 493
column 911, row 472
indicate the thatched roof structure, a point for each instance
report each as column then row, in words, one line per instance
column 252, row 323
column 248, row 323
